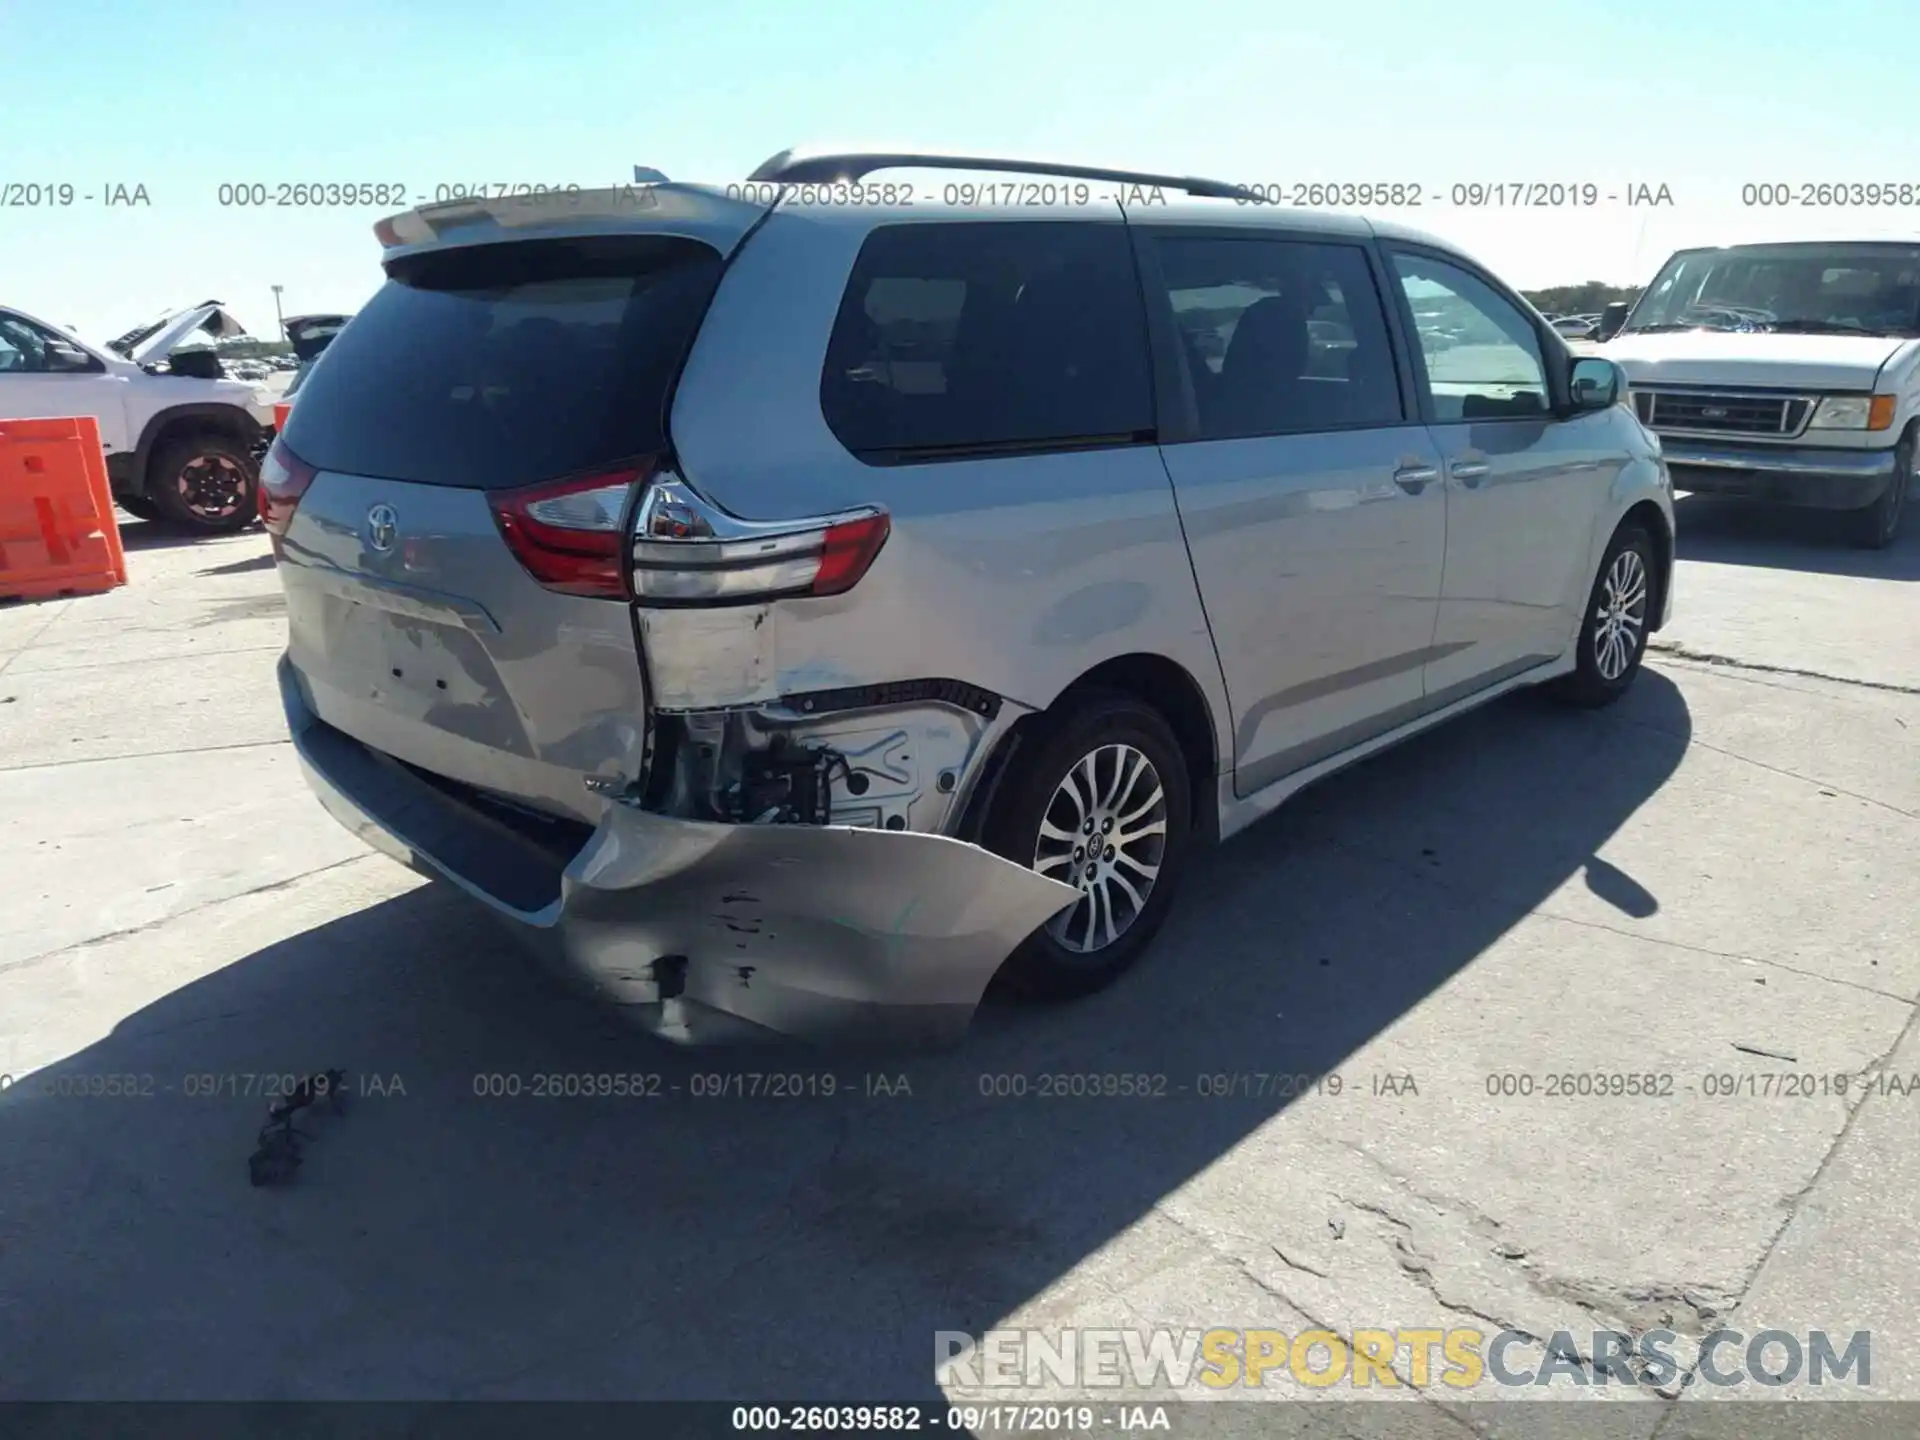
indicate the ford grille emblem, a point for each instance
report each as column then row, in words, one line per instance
column 383, row 527
column 1712, row 412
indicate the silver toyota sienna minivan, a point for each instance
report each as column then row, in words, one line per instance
column 792, row 604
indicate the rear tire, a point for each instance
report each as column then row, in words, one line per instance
column 206, row 483
column 1103, row 788
column 1615, row 626
column 1875, row 527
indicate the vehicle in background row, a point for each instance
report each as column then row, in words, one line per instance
column 1785, row 372
column 1576, row 327
column 310, row 335
column 177, row 330
column 794, row 614
column 182, row 440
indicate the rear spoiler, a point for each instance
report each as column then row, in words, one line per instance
column 718, row 215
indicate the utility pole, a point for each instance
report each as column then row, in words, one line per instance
column 277, row 315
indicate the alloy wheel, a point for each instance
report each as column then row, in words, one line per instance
column 212, row 487
column 1621, row 616
column 1105, row 833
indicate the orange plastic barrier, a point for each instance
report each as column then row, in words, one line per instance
column 280, row 410
column 58, row 531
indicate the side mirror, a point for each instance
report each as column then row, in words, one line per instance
column 63, row 359
column 1611, row 319
column 1595, row 383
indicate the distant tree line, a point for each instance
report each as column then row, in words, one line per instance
column 1587, row 298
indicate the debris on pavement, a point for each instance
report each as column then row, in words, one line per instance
column 278, row 1156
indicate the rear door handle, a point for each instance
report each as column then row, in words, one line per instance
column 1415, row 478
column 1469, row 472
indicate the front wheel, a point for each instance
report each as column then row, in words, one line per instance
column 205, row 483
column 1875, row 527
column 1100, row 802
column 1613, row 634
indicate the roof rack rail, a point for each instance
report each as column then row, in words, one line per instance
column 804, row 167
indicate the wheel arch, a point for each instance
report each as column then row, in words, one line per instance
column 1651, row 518
column 1154, row 680
column 190, row 418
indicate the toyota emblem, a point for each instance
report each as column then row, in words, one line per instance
column 383, row 527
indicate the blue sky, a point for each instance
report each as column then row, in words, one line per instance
column 184, row 95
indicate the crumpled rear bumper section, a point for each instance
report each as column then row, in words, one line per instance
column 712, row 932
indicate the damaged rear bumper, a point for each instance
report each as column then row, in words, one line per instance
column 710, row 932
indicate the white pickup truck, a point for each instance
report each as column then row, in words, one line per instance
column 1784, row 372
column 182, row 440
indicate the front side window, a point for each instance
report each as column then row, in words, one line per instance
column 1482, row 352
column 982, row 338
column 23, row 347
column 1281, row 337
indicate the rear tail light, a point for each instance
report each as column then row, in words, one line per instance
column 284, row 478
column 685, row 551
column 574, row 536
column 570, row 534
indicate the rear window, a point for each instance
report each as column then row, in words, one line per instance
column 988, row 337
column 507, row 364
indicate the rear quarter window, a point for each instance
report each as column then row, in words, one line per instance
column 507, row 364
column 988, row 337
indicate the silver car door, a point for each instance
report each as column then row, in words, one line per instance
column 1310, row 492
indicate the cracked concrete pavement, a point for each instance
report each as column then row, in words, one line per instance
column 1714, row 878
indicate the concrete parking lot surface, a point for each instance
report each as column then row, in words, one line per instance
column 1710, row 884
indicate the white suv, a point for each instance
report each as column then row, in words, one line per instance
column 1785, row 372
column 182, row 440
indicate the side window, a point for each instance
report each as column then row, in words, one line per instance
column 1282, row 337
column 983, row 336
column 23, row 348
column 1482, row 353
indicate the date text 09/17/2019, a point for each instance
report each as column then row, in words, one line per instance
column 1046, row 1418
column 391, row 195
column 1710, row 1085
column 1300, row 194
column 197, row 1085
